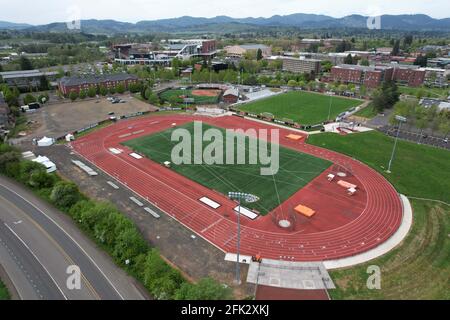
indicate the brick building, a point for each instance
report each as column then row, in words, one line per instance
column 79, row 83
column 373, row 76
column 231, row 95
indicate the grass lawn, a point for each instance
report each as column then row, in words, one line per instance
column 165, row 96
column 418, row 269
column 4, row 294
column 417, row 170
column 368, row 112
column 441, row 93
column 296, row 170
column 305, row 108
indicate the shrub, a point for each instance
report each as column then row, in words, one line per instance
column 73, row 95
column 92, row 92
column 205, row 289
column 65, row 194
column 29, row 98
column 82, row 94
column 41, row 180
column 129, row 244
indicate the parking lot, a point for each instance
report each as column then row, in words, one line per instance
column 57, row 119
column 416, row 137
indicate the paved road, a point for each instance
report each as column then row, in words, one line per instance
column 38, row 244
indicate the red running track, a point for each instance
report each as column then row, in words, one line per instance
column 343, row 226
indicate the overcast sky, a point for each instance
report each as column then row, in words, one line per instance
column 46, row 11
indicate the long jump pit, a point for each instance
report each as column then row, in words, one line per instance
column 342, row 225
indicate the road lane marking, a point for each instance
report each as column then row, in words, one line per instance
column 37, row 259
column 70, row 237
column 58, row 247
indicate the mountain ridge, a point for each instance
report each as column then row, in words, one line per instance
column 407, row 22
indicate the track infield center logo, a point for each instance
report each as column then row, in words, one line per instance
column 230, row 147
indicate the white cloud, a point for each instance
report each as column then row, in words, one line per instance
column 46, row 11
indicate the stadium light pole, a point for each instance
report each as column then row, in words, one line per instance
column 400, row 120
column 329, row 109
column 238, row 196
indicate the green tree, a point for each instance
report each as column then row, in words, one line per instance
column 129, row 244
column 153, row 99
column 41, row 179
column 292, row 83
column 65, row 194
column 25, row 63
column 348, row 59
column 43, row 98
column 43, row 83
column 326, row 65
column 365, row 62
column 120, row 88
column 396, row 48
column 259, row 54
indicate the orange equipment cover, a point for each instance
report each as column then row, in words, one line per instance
column 295, row 137
column 308, row 212
column 346, row 184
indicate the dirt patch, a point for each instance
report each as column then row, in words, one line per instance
column 58, row 119
column 206, row 93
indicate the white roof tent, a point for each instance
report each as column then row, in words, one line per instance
column 50, row 166
column 45, row 142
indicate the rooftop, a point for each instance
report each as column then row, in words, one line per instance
column 79, row 80
column 26, row 74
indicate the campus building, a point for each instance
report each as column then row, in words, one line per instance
column 238, row 51
column 26, row 79
column 147, row 54
column 79, row 83
column 301, row 65
column 373, row 76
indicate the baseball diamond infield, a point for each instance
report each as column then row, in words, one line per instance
column 342, row 226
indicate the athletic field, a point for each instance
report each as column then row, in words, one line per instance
column 305, row 108
column 199, row 96
column 295, row 170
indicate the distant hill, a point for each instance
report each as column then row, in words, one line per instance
column 413, row 22
column 13, row 26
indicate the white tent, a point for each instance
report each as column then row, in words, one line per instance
column 51, row 167
column 70, row 137
column 45, row 142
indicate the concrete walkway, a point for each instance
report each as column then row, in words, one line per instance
column 383, row 248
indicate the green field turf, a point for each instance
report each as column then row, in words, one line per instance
column 165, row 96
column 296, row 170
column 305, row 108
column 417, row 170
